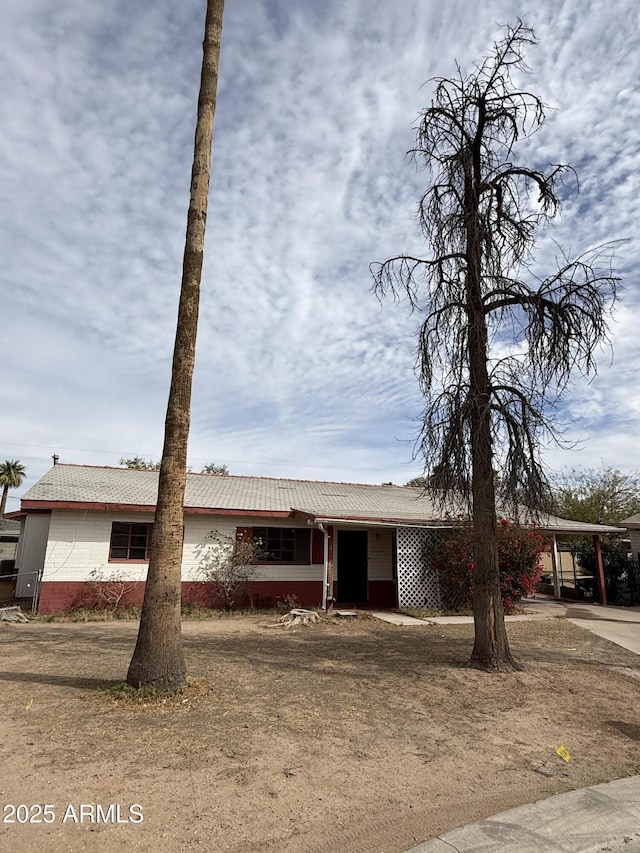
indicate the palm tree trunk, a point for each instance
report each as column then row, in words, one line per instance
column 158, row 659
column 3, row 500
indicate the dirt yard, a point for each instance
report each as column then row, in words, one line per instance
column 339, row 738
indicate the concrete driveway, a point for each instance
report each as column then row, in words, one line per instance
column 620, row 625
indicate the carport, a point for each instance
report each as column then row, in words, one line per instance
column 564, row 527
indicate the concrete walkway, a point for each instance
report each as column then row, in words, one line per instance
column 620, row 625
column 604, row 817
column 412, row 621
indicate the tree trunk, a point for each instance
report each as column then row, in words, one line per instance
column 158, row 660
column 491, row 646
column 3, row 500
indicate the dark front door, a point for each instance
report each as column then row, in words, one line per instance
column 352, row 566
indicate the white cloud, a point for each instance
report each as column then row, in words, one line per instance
column 299, row 371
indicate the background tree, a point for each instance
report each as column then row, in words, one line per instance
column 602, row 496
column 417, row 482
column 158, row 659
column 141, row 464
column 12, row 474
column 617, row 565
column 597, row 495
column 214, row 468
column 477, row 286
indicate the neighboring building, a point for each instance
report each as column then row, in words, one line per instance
column 358, row 544
column 9, row 535
column 633, row 526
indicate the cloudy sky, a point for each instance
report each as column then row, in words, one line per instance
column 300, row 372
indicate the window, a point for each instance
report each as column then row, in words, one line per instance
column 130, row 542
column 283, row 544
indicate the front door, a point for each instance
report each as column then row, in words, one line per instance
column 352, row 566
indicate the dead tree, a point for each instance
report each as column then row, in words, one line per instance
column 485, row 416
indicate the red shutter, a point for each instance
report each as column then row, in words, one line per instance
column 244, row 534
column 317, row 546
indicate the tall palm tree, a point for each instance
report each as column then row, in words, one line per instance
column 158, row 660
column 12, row 473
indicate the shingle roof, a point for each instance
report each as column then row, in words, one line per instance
column 632, row 521
column 320, row 499
column 64, row 483
column 9, row 527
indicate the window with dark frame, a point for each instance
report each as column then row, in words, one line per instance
column 130, row 541
column 283, row 544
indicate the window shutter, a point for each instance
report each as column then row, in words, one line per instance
column 317, row 546
column 244, row 534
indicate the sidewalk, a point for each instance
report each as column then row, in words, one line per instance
column 619, row 625
column 604, row 817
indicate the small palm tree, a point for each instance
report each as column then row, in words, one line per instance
column 12, row 473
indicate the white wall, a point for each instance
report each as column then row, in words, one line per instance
column 30, row 556
column 79, row 544
column 380, row 555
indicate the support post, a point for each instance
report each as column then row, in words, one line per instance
column 600, row 570
column 330, row 579
column 555, row 559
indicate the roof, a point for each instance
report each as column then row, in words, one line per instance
column 633, row 521
column 88, row 487
column 9, row 527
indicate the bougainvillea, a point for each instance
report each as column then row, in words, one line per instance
column 519, row 551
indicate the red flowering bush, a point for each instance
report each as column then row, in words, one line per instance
column 519, row 551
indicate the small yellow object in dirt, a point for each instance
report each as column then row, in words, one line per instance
column 563, row 752
column 28, row 705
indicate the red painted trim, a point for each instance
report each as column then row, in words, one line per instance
column 602, row 587
column 401, row 522
column 64, row 595
column 47, row 506
column 118, row 507
column 382, row 594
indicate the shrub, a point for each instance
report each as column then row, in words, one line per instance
column 105, row 591
column 227, row 566
column 519, row 553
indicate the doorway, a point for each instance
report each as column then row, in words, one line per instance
column 352, row 566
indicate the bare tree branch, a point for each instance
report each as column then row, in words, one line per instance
column 485, row 417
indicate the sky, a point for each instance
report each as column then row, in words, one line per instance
column 300, row 371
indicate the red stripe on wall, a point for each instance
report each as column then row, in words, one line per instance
column 56, row 596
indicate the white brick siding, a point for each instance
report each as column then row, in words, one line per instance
column 79, row 544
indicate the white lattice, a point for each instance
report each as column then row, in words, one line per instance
column 417, row 584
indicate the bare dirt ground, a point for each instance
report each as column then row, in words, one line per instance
column 339, row 738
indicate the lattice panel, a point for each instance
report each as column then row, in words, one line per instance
column 417, row 584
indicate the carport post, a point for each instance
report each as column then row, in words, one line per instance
column 600, row 570
column 555, row 559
